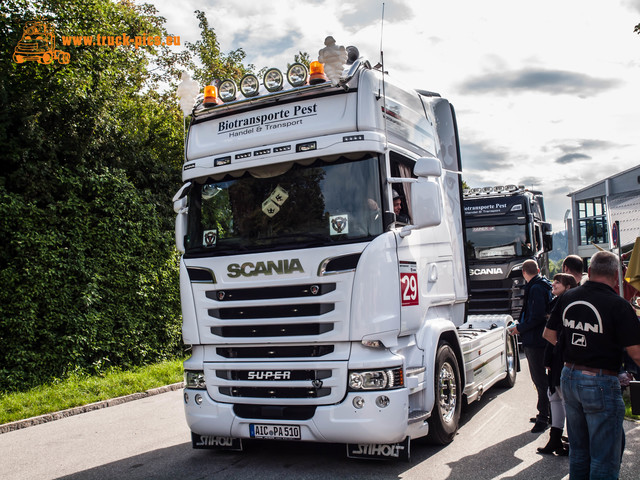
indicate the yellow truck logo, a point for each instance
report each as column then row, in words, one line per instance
column 38, row 44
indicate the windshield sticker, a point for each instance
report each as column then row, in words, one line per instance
column 272, row 205
column 209, row 238
column 279, row 195
column 338, row 224
column 270, row 208
column 484, row 229
column 500, row 251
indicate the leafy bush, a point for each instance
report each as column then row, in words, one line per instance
column 91, row 156
column 89, row 281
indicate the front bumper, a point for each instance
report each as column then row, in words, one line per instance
column 339, row 423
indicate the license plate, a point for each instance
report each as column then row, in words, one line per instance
column 276, row 432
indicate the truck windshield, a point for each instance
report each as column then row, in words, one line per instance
column 498, row 241
column 292, row 205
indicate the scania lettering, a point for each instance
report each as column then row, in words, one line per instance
column 313, row 313
column 485, row 271
column 504, row 226
column 264, row 268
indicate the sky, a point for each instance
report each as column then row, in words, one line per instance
column 547, row 93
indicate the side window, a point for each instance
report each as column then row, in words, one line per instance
column 401, row 167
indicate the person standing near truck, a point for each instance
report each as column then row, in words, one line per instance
column 573, row 265
column 537, row 295
column 597, row 325
column 562, row 282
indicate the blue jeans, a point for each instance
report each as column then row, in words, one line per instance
column 595, row 416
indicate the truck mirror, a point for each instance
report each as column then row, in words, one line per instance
column 180, row 203
column 181, row 230
column 428, row 167
column 547, row 237
column 180, row 198
column 426, row 201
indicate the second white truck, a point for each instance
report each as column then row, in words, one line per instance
column 312, row 312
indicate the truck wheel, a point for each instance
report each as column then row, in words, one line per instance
column 443, row 423
column 511, row 361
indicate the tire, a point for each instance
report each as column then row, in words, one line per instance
column 445, row 416
column 512, row 364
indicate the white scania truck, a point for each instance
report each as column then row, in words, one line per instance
column 312, row 313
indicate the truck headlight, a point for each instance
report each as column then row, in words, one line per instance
column 376, row 379
column 194, row 379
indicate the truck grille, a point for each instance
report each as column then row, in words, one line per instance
column 283, row 330
column 267, row 293
column 277, row 351
column 275, row 311
column 495, row 297
column 268, row 392
column 277, row 382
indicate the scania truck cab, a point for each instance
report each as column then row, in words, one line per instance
column 504, row 226
column 311, row 312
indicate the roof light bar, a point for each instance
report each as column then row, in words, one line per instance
column 249, row 85
column 297, row 75
column 489, row 190
column 273, row 80
column 227, row 91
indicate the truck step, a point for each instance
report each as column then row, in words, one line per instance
column 418, row 416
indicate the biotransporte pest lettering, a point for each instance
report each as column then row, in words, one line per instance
column 267, row 118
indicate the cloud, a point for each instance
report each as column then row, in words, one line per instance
column 552, row 82
column 571, row 157
column 482, row 157
column 276, row 44
column 633, row 5
column 563, row 189
column 361, row 13
column 532, row 182
column 576, row 150
column 571, row 146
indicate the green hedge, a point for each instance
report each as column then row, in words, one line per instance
column 88, row 282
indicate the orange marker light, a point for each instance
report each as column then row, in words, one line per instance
column 317, row 73
column 210, row 96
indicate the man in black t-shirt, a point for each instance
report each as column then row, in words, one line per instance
column 596, row 325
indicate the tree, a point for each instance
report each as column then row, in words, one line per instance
column 213, row 64
column 91, row 156
column 303, row 58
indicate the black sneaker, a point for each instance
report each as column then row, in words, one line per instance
column 539, row 427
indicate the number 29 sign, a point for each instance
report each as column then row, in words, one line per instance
column 409, row 284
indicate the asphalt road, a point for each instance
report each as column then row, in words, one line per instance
column 148, row 438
